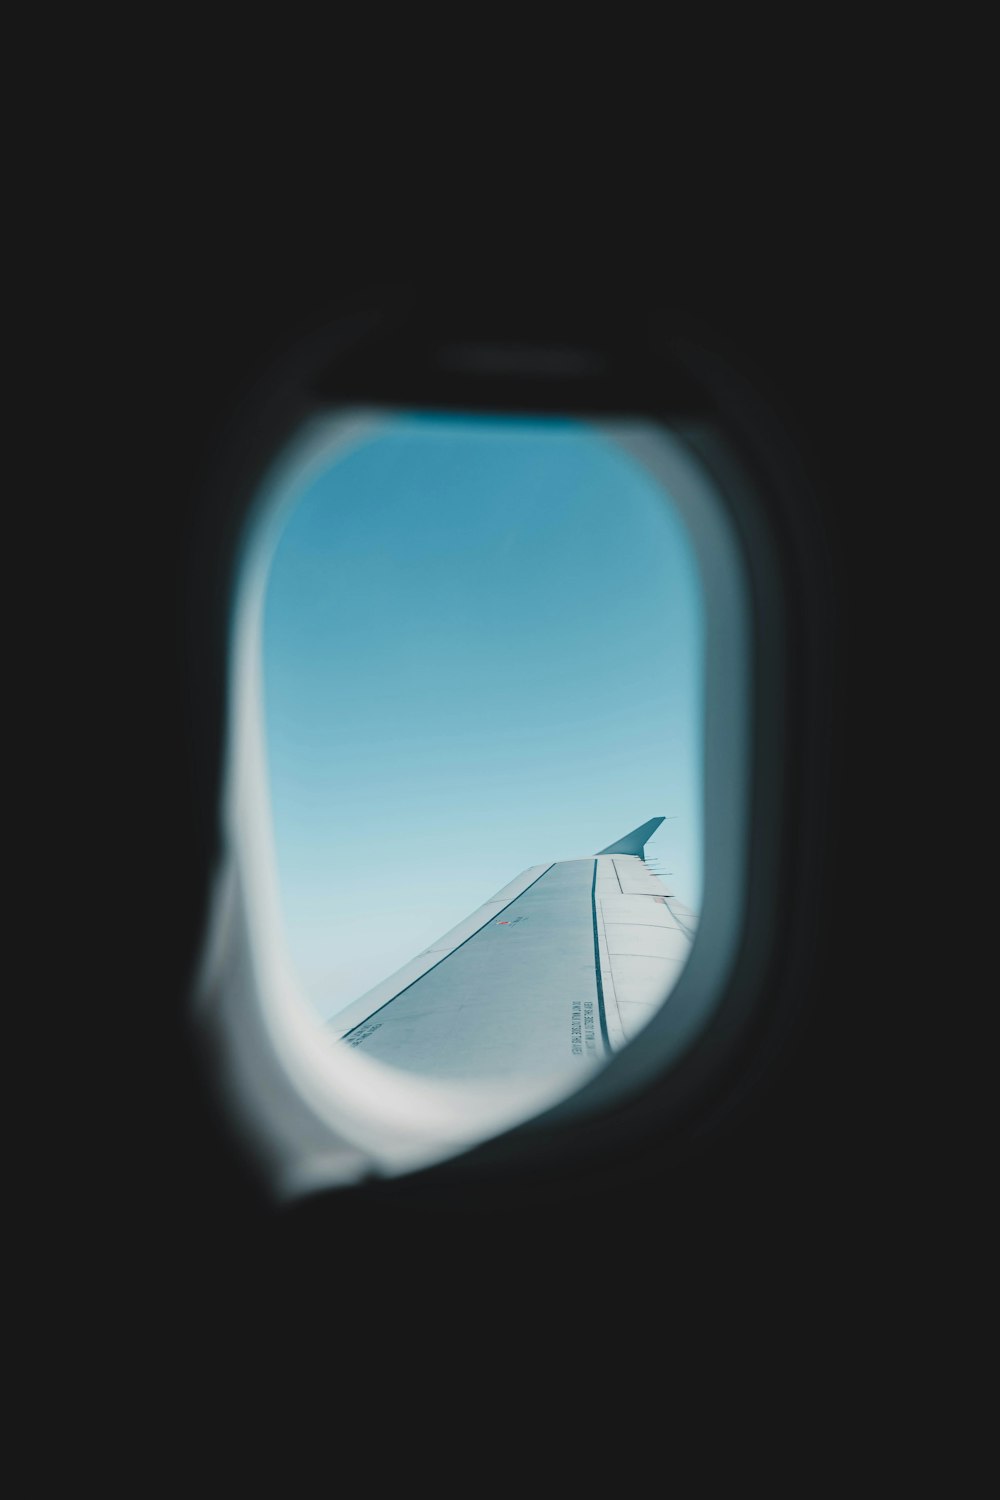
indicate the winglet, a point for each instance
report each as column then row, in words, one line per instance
column 634, row 842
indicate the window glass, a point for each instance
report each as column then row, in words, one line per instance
column 482, row 651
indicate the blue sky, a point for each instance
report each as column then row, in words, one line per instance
column 483, row 644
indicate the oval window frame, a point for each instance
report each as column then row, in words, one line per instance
column 314, row 1118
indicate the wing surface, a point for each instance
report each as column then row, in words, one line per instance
column 559, row 970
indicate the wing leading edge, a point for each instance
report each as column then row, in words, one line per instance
column 558, row 971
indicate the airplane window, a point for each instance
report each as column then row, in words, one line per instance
column 466, row 797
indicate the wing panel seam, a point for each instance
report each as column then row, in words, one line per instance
column 597, row 968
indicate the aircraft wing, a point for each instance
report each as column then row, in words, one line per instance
column 562, row 967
